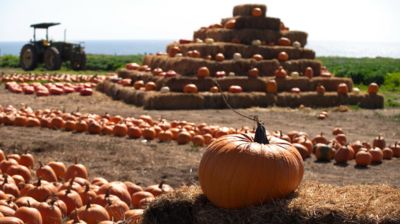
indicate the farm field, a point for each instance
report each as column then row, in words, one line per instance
column 147, row 162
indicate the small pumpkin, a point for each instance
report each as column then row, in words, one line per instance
column 280, row 72
column 363, row 158
column 387, row 153
column 235, row 89
column 377, row 155
column 284, row 41
column 256, row 11
column 150, row 86
column 258, row 57
column 309, row 72
column 396, row 149
column 190, row 88
column 320, row 89
column 283, row 56
column 253, row 73
column 214, row 89
column 379, row 142
column 342, row 89
column 373, row 88
column 324, row 152
column 272, row 86
column 203, row 72
column 219, row 57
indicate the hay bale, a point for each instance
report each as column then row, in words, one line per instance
column 245, row 9
column 311, row 203
column 299, row 36
column 255, row 22
column 137, row 75
column 245, row 100
column 247, row 51
column 246, row 36
column 188, row 66
column 173, row 101
column 303, row 83
column 313, row 99
column 300, row 65
column 372, row 101
column 330, row 84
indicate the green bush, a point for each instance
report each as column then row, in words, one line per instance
column 362, row 70
column 9, row 61
column 392, row 82
column 94, row 62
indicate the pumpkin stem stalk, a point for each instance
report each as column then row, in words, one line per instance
column 260, row 135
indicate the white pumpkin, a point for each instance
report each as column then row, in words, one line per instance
column 294, row 74
column 231, row 74
column 237, row 56
column 297, row 44
column 164, row 89
column 209, row 40
column 356, row 90
column 198, row 40
column 256, row 42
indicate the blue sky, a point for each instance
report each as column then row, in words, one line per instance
column 324, row 20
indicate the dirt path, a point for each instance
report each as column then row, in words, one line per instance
column 149, row 162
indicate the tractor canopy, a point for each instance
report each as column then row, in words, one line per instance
column 44, row 25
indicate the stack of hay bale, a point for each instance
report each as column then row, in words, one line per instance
column 246, row 41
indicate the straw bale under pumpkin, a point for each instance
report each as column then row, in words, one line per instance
column 255, row 22
column 311, row 203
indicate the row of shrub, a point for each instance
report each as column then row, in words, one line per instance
column 364, row 70
column 95, row 62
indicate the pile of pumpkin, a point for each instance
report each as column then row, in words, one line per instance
column 47, row 89
column 145, row 126
column 340, row 149
column 54, row 193
column 203, row 72
column 45, row 77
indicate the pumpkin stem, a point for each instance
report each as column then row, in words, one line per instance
column 161, row 184
column 260, row 135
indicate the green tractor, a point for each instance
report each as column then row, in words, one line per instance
column 52, row 54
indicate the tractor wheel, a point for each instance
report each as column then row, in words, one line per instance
column 28, row 57
column 52, row 58
column 78, row 61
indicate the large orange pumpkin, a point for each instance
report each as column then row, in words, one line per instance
column 240, row 170
column 373, row 88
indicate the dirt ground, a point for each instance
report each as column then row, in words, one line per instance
column 150, row 162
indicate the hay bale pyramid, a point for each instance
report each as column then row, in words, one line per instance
column 253, row 59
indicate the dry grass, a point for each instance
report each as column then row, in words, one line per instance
column 312, row 203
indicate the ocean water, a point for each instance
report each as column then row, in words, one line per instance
column 322, row 48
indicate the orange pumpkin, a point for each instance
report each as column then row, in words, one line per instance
column 165, row 136
column 149, row 133
column 253, row 73
column 219, row 57
column 272, row 86
column 373, row 88
column 214, row 89
column 363, row 158
column 150, row 86
column 92, row 213
column 280, row 72
column 379, row 142
column 29, row 215
column 387, row 153
column 283, row 56
column 190, row 88
column 258, row 57
column 260, row 156
column 377, row 155
column 230, row 24
column 235, row 89
column 184, row 137
column 203, row 72
column 320, row 89
column 120, row 130
column 198, row 140
column 309, row 72
column 284, row 41
column 342, row 89
column 396, row 149
column 134, row 132
column 256, row 11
